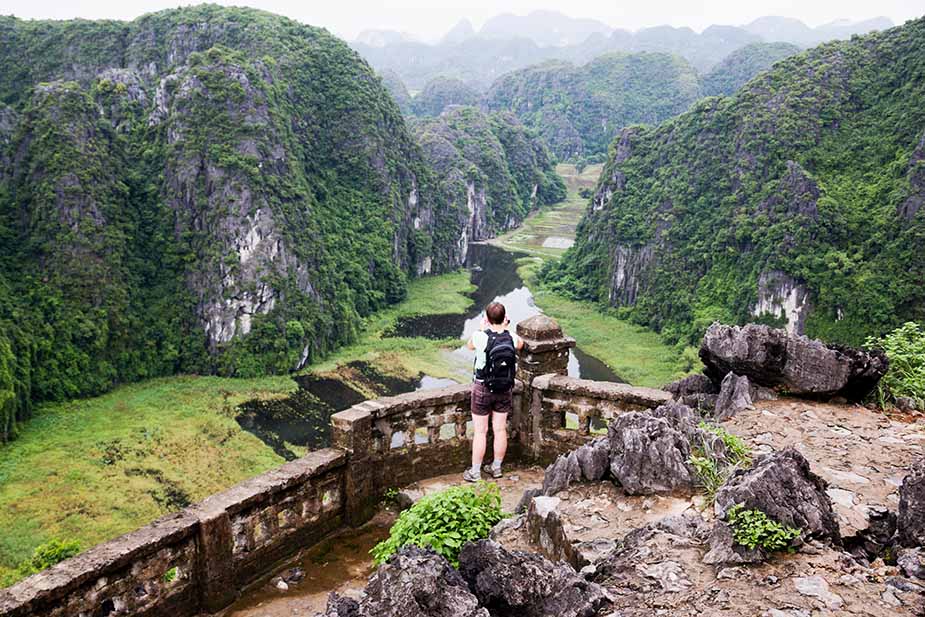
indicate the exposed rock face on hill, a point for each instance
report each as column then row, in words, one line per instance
column 580, row 109
column 204, row 189
column 490, row 169
column 758, row 203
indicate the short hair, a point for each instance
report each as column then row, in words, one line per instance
column 495, row 313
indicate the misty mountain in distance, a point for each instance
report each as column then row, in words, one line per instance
column 545, row 28
column 508, row 42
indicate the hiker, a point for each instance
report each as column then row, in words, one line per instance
column 492, row 388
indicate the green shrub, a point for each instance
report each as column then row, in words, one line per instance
column 709, row 473
column 905, row 347
column 753, row 528
column 444, row 521
column 46, row 555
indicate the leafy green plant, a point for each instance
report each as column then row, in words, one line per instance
column 905, row 348
column 753, row 528
column 444, row 521
column 171, row 574
column 48, row 554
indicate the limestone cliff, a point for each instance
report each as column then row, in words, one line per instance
column 796, row 201
column 203, row 189
column 490, row 167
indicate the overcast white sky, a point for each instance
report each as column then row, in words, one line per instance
column 430, row 19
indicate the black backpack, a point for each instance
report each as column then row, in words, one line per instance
column 500, row 362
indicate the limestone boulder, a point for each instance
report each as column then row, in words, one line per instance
column 796, row 364
column 590, row 462
column 910, row 522
column 414, row 583
column 649, row 451
column 520, row 584
column 782, row 486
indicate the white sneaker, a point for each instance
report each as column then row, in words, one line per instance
column 468, row 476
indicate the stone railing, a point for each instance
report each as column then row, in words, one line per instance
column 199, row 560
column 565, row 411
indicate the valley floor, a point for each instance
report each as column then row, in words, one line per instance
column 90, row 470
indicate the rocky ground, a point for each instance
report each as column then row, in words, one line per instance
column 589, row 548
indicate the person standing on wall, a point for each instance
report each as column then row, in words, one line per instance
column 492, row 388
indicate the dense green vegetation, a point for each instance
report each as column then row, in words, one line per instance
column 905, row 347
column 813, row 169
column 741, row 65
column 445, row 521
column 489, row 166
column 397, row 90
column 440, row 93
column 90, row 470
column 237, row 207
column 580, row 109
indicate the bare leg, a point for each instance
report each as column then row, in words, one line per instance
column 479, row 439
column 499, row 428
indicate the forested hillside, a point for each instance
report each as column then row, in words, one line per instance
column 490, row 167
column 798, row 200
column 440, row 93
column 580, row 109
column 203, row 189
column 743, row 64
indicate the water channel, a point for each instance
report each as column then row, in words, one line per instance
column 302, row 419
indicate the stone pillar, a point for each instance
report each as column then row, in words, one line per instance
column 215, row 574
column 546, row 351
column 546, row 348
column 351, row 430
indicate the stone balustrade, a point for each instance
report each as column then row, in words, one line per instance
column 200, row 559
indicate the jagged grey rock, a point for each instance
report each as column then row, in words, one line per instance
column 414, row 583
column 782, row 486
column 799, row 365
column 649, row 451
column 594, row 459
column 653, row 557
column 519, row 584
column 912, row 562
column 910, row 522
column 546, row 532
column 696, row 391
column 561, row 473
column 589, row 462
column 692, row 384
column 734, row 396
column 526, row 498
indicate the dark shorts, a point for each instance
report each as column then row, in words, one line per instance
column 484, row 401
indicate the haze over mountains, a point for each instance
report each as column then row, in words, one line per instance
column 509, row 42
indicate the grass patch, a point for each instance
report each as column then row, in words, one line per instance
column 405, row 356
column 93, row 469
